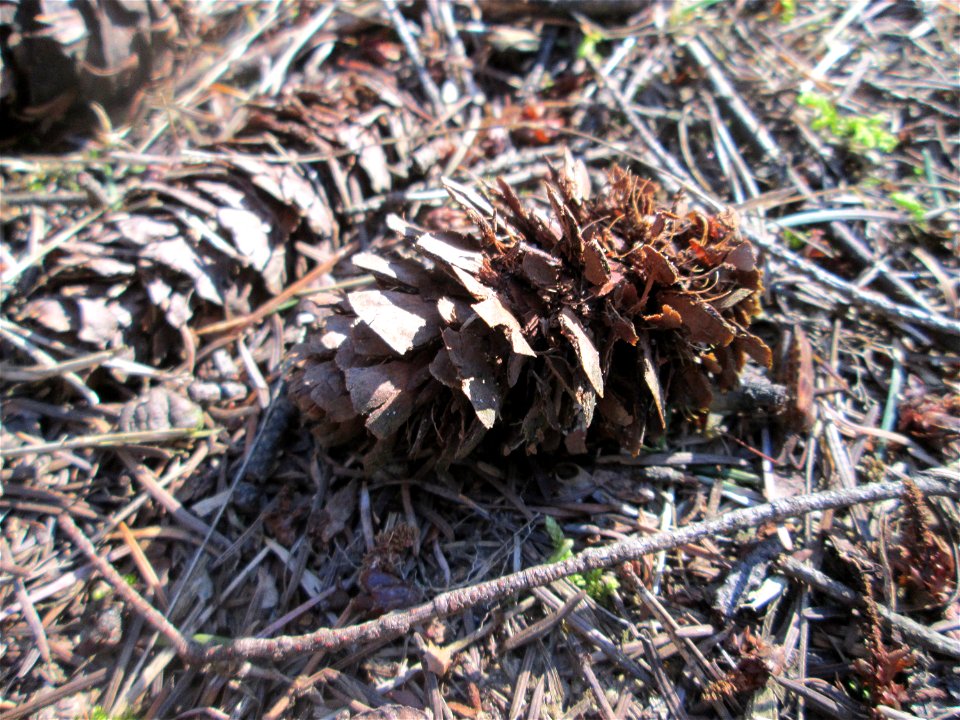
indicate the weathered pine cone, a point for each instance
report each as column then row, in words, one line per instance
column 535, row 331
column 214, row 238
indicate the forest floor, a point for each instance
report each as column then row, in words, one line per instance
column 175, row 541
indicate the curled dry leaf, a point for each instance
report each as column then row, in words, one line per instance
column 553, row 327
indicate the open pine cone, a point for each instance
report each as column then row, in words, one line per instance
column 534, row 331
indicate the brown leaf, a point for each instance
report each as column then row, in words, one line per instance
column 51, row 313
column 586, row 352
column 540, row 268
column 286, row 184
column 407, row 273
column 442, row 368
column 401, row 320
column 471, row 284
column 365, row 144
column 438, row 659
column 176, row 307
column 755, row 348
column 179, row 255
column 452, row 252
column 734, row 297
column 595, row 265
column 102, row 321
column 250, row 234
column 743, row 257
column 657, row 267
column 467, row 197
column 325, row 385
column 143, row 230
column 666, row 319
column 454, row 311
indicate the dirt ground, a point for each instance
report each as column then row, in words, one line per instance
column 484, row 359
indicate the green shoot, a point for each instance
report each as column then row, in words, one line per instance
column 598, row 584
column 911, row 204
column 587, row 50
column 98, row 713
column 788, row 11
column 865, row 133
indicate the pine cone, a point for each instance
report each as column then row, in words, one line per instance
column 534, row 331
column 213, row 239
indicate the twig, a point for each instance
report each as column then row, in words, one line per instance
column 725, row 90
column 228, row 61
column 18, row 338
column 400, row 25
column 276, row 302
column 49, row 697
column 456, row 601
column 704, row 669
column 910, row 629
column 667, row 691
column 865, row 298
column 580, row 623
column 29, row 611
column 604, row 705
column 273, row 82
column 12, row 273
column 541, row 627
column 122, row 439
column 167, row 501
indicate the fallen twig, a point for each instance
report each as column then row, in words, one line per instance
column 910, row 629
column 456, row 601
column 121, row 439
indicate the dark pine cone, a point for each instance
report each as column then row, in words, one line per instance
column 537, row 330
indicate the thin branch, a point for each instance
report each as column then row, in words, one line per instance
column 910, row 629
column 120, row 439
column 456, row 601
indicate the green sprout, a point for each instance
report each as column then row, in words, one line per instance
column 98, row 713
column 587, row 50
column 788, row 11
column 861, row 132
column 598, row 584
column 911, row 204
column 795, row 241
